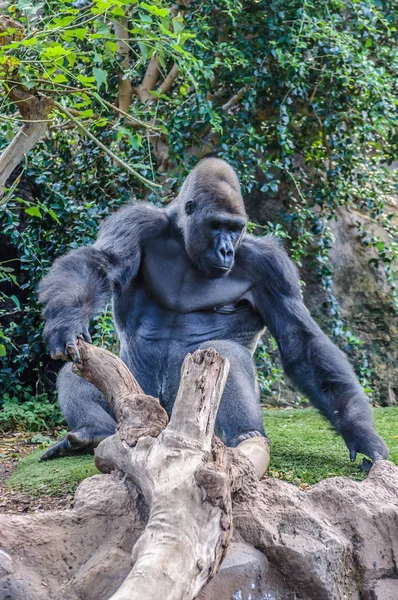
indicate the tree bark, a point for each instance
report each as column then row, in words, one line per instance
column 34, row 109
column 125, row 93
column 182, row 472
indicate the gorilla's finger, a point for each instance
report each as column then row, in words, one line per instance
column 353, row 454
column 87, row 336
column 73, row 352
column 366, row 465
column 58, row 354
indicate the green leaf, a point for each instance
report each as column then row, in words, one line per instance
column 144, row 50
column 85, row 114
column 53, row 215
column 155, row 10
column 30, row 42
column 111, row 46
column 118, row 12
column 79, row 33
column 16, row 302
column 100, row 77
column 101, row 122
column 85, row 80
column 33, row 211
column 3, row 351
column 71, row 58
column 54, row 52
column 60, row 78
column 136, row 141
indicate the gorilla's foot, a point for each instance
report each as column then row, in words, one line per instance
column 257, row 449
column 244, row 436
column 76, row 442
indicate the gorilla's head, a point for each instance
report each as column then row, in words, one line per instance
column 212, row 216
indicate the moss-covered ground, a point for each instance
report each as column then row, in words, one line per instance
column 304, row 450
column 55, row 477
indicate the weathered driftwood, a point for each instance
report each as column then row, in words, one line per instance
column 184, row 477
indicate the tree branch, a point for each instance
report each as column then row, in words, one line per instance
column 107, row 151
column 169, row 80
column 34, row 109
column 125, row 93
column 149, row 80
column 235, row 99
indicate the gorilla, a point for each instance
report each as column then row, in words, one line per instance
column 186, row 277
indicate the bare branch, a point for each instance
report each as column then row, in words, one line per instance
column 235, row 99
column 149, row 80
column 125, row 93
column 169, row 80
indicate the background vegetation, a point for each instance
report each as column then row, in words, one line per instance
column 300, row 97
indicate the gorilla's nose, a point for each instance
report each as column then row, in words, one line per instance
column 225, row 254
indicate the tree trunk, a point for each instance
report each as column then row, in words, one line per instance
column 183, row 476
column 34, row 109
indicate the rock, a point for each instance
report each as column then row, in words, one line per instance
column 245, row 575
column 334, row 541
column 385, row 589
column 47, row 556
column 337, row 541
column 102, row 574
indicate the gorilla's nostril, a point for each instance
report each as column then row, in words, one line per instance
column 226, row 252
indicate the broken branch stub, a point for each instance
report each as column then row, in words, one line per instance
column 183, row 477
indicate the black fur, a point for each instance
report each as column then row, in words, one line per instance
column 188, row 277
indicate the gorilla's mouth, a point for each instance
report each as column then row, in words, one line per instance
column 217, row 269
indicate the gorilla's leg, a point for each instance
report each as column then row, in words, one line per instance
column 239, row 415
column 87, row 413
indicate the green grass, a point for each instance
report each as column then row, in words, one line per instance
column 304, row 450
column 53, row 478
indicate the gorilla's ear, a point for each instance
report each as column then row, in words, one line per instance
column 190, row 207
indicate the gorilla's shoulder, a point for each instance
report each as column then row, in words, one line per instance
column 131, row 225
column 268, row 261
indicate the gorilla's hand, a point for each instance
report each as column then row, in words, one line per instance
column 62, row 340
column 367, row 442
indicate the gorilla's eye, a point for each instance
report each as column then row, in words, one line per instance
column 190, row 207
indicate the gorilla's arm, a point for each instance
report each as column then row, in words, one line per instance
column 317, row 367
column 80, row 284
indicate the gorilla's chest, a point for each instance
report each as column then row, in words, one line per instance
column 175, row 285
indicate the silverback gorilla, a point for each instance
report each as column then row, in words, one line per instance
column 189, row 277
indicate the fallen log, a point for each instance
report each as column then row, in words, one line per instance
column 184, row 477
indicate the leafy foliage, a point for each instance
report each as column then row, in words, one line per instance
column 29, row 412
column 300, row 97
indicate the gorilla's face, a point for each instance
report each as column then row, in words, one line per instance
column 212, row 237
column 212, row 216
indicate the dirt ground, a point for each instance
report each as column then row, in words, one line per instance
column 14, row 446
